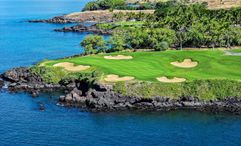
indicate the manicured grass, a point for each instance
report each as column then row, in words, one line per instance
column 129, row 23
column 147, row 66
column 236, row 50
column 120, row 24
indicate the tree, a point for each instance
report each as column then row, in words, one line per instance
column 161, row 46
column 117, row 43
column 93, row 44
column 195, row 25
column 91, row 6
column 104, row 4
column 181, row 36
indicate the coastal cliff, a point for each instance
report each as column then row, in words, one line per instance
column 102, row 97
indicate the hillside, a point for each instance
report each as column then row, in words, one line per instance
column 211, row 3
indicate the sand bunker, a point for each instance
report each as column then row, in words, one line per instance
column 118, row 57
column 187, row 63
column 116, row 78
column 174, row 80
column 70, row 66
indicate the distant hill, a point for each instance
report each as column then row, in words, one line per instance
column 211, row 3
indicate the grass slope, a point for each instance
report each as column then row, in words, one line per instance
column 147, row 66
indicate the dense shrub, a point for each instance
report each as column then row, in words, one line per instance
column 201, row 89
column 116, row 4
column 103, row 5
column 197, row 26
column 56, row 75
column 93, row 44
column 51, row 75
column 139, row 38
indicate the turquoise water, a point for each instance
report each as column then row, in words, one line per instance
column 22, row 123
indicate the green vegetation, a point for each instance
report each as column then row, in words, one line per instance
column 147, row 66
column 216, row 77
column 116, row 4
column 139, row 38
column 176, row 25
column 197, row 26
column 236, row 50
column 50, row 74
column 55, row 75
column 93, row 44
column 201, row 89
column 120, row 24
column 103, row 5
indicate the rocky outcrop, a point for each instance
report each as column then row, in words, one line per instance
column 57, row 19
column 105, row 99
column 90, row 16
column 82, row 28
column 21, row 74
column 1, row 83
column 102, row 97
column 22, row 79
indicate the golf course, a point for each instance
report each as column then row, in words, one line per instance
column 148, row 66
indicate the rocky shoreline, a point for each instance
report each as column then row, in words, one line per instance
column 22, row 79
column 107, row 100
column 102, row 98
column 82, row 28
column 90, row 16
column 57, row 19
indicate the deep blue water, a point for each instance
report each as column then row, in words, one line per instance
column 22, row 123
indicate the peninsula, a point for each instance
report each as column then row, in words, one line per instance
column 159, row 56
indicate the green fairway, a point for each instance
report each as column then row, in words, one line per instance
column 147, row 66
column 236, row 50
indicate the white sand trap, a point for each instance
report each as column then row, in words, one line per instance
column 116, row 78
column 187, row 63
column 174, row 80
column 118, row 57
column 70, row 66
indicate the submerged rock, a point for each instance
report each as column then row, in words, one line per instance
column 34, row 93
column 1, row 83
column 41, row 107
